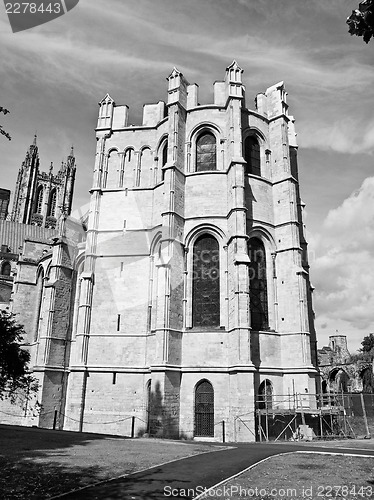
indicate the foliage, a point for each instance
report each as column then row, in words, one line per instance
column 15, row 380
column 361, row 21
column 367, row 343
column 365, row 357
column 2, row 131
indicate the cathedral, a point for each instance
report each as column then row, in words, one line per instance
column 183, row 299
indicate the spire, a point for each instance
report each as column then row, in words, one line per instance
column 51, row 167
column 34, row 141
column 71, row 159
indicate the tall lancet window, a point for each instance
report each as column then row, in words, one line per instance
column 39, row 200
column 206, row 152
column 205, row 289
column 204, row 409
column 164, row 159
column 252, row 155
column 52, row 203
column 258, row 294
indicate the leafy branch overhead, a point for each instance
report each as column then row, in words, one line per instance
column 361, row 21
column 2, row 131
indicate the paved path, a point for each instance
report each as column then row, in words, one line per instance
column 201, row 471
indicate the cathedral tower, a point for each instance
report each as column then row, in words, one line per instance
column 41, row 198
column 193, row 295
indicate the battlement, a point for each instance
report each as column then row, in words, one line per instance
column 269, row 104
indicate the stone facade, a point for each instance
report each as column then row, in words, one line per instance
column 41, row 198
column 37, row 278
column 342, row 372
column 191, row 292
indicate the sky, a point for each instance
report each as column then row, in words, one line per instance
column 52, row 77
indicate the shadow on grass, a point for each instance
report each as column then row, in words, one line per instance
column 147, row 485
column 23, row 477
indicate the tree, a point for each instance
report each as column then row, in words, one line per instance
column 368, row 343
column 2, row 131
column 361, row 21
column 15, row 379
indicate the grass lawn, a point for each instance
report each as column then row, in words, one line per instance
column 40, row 463
column 302, row 476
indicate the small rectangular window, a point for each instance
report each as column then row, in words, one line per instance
column 118, row 322
column 114, row 380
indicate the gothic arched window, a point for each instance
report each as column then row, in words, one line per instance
column 258, row 295
column 205, row 289
column 164, row 154
column 206, row 152
column 5, row 269
column 265, row 395
column 252, row 155
column 204, row 409
column 39, row 200
column 111, row 170
column 127, row 169
column 52, row 203
column 164, row 158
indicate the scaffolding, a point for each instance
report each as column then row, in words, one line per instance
column 295, row 417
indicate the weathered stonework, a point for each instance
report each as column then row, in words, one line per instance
column 118, row 346
column 342, row 372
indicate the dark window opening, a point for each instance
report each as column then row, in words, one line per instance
column 164, row 159
column 204, row 409
column 5, row 269
column 252, row 155
column 265, row 395
column 39, row 200
column 258, row 295
column 205, row 289
column 52, row 204
column 206, row 152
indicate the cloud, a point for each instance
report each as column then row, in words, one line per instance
column 343, row 271
column 348, row 135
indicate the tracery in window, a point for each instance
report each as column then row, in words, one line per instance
column 206, row 152
column 52, row 203
column 205, row 289
column 258, row 285
column 252, row 155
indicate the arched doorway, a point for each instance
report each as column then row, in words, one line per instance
column 265, row 395
column 339, row 381
column 204, row 409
